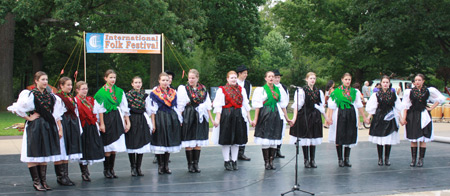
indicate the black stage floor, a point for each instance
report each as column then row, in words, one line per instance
column 364, row 178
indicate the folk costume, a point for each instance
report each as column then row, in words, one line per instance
column 247, row 85
column 385, row 108
column 112, row 102
column 283, row 104
column 268, row 130
column 308, row 128
column 194, row 104
column 232, row 104
column 40, row 142
column 345, row 102
column 419, row 126
column 91, row 141
column 137, row 139
column 167, row 137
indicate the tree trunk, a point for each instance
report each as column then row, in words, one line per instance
column 38, row 61
column 155, row 69
column 6, row 61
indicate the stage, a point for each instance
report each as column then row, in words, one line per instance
column 364, row 178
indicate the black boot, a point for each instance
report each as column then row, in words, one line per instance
column 413, row 156
column 347, row 157
column 339, row 154
column 380, row 154
column 60, row 175
column 228, row 165
column 36, row 180
column 160, row 159
column 241, row 155
column 85, row 173
column 312, row 156
column 234, row 165
column 190, row 162
column 272, row 152
column 66, row 174
column 43, row 176
column 166, row 163
column 196, row 158
column 387, row 153
column 279, row 155
column 421, row 156
column 306, row 156
column 138, row 164
column 132, row 158
column 106, row 171
column 112, row 160
column 266, row 158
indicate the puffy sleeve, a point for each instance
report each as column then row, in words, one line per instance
column 24, row 104
column 207, row 103
column 406, row 102
column 299, row 96
column 372, row 104
column 219, row 101
column 436, row 96
column 148, row 105
column 358, row 103
column 124, row 105
column 182, row 98
column 153, row 106
column 98, row 108
column 331, row 103
column 284, row 101
column 245, row 102
column 321, row 107
column 398, row 107
column 258, row 100
column 59, row 108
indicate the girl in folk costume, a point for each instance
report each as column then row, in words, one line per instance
column 194, row 103
column 344, row 106
column 112, row 108
column 166, row 136
column 232, row 115
column 385, row 107
column 269, row 118
column 309, row 100
column 138, row 138
column 42, row 112
column 91, row 141
column 416, row 116
column 71, row 141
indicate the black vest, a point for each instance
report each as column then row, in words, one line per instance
column 247, row 85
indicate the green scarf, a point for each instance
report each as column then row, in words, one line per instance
column 273, row 96
column 343, row 96
column 110, row 98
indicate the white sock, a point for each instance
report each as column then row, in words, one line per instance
column 265, row 146
column 226, row 152
column 234, row 152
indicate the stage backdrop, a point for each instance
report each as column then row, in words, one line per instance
column 123, row 43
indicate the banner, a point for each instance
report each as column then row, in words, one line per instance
column 123, row 43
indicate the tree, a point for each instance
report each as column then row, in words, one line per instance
column 6, row 60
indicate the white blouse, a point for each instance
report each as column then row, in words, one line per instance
column 219, row 102
column 25, row 103
column 260, row 95
column 99, row 108
column 183, row 100
column 301, row 101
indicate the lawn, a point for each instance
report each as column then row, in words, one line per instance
column 7, row 119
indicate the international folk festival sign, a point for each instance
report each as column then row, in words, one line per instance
column 123, row 43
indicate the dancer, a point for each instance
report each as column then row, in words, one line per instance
column 417, row 118
column 137, row 139
column 112, row 108
column 308, row 128
column 283, row 104
column 242, row 81
column 385, row 107
column 91, row 141
column 71, row 140
column 232, row 115
column 344, row 106
column 40, row 145
column 194, row 103
column 269, row 118
column 166, row 137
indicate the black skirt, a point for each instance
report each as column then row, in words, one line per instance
column 346, row 129
column 269, row 125
column 42, row 139
column 314, row 119
column 380, row 127
column 139, row 133
column 168, row 129
column 192, row 129
column 72, row 135
column 413, row 126
column 233, row 128
column 113, row 127
column 91, row 143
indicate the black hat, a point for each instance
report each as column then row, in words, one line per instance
column 170, row 73
column 277, row 73
column 241, row 68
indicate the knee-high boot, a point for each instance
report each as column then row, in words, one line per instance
column 306, row 156
column 347, row 157
column 421, row 156
column 85, row 173
column 339, row 154
column 387, row 153
column 66, row 174
column 272, row 152
column 413, row 156
column 138, row 164
column 266, row 158
column 132, row 158
column 312, row 156
column 43, row 176
column 106, row 171
column 190, row 162
column 160, row 159
column 36, row 180
column 60, row 175
column 166, row 163
column 380, row 154
column 112, row 160
column 196, row 158
column 279, row 155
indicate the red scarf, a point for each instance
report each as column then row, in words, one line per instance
column 233, row 95
column 69, row 102
column 86, row 108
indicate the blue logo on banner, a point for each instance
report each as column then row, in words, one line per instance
column 94, row 42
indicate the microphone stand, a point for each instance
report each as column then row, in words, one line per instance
column 296, row 186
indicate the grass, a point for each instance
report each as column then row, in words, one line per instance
column 7, row 119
